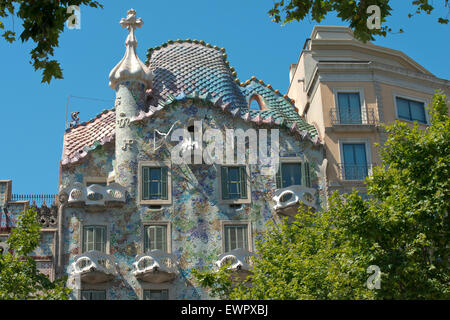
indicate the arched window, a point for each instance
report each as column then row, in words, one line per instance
column 256, row 103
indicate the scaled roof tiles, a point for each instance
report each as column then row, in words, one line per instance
column 191, row 68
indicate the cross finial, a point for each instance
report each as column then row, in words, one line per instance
column 131, row 22
column 130, row 67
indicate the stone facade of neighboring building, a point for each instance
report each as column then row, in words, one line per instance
column 12, row 205
column 346, row 89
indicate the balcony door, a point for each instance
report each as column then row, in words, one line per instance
column 349, row 105
column 355, row 161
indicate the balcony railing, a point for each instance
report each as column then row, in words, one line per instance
column 156, row 266
column 354, row 171
column 94, row 267
column 37, row 199
column 345, row 117
column 94, row 195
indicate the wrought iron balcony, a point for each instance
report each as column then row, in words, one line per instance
column 345, row 117
column 354, row 171
column 94, row 267
column 156, row 266
column 238, row 261
column 94, row 195
column 287, row 200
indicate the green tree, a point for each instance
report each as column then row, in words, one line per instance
column 19, row 277
column 42, row 21
column 352, row 11
column 403, row 229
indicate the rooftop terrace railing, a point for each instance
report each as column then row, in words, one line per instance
column 38, row 199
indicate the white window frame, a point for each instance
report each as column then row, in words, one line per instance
column 168, row 226
column 425, row 101
column 368, row 153
column 362, row 100
column 247, row 223
column 249, row 189
column 155, row 164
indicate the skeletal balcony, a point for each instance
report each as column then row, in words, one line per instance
column 156, row 266
column 237, row 260
column 94, row 267
column 287, row 200
column 95, row 196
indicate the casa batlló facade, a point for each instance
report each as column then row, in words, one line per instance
column 132, row 224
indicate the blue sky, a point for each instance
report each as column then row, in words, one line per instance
column 32, row 114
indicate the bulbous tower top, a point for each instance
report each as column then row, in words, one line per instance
column 130, row 67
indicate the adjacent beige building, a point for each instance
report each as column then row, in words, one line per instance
column 346, row 88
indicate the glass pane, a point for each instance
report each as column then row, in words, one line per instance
column 156, row 294
column 355, row 161
column 154, row 190
column 403, row 109
column 156, row 238
column 236, row 237
column 233, row 174
column 155, row 174
column 417, row 111
column 291, row 174
column 349, row 107
column 93, row 295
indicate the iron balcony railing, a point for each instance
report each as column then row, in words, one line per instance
column 342, row 116
column 354, row 171
column 37, row 198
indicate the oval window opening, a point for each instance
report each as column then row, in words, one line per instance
column 256, row 103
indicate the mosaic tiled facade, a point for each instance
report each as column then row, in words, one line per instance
column 183, row 82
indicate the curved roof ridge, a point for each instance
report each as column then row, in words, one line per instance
column 269, row 86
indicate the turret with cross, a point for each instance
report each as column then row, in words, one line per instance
column 129, row 78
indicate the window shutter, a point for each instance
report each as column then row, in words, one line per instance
column 306, row 175
column 164, row 184
column 224, row 182
column 278, row 177
column 145, row 184
column 243, row 177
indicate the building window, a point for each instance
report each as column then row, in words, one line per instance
column 349, row 105
column 290, row 174
column 256, row 103
column 93, row 295
column 94, row 238
column 355, row 165
column 162, row 294
column 234, row 183
column 155, row 237
column 410, row 110
column 236, row 236
column 102, row 181
column 154, row 183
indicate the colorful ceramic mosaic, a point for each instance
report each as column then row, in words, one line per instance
column 182, row 82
